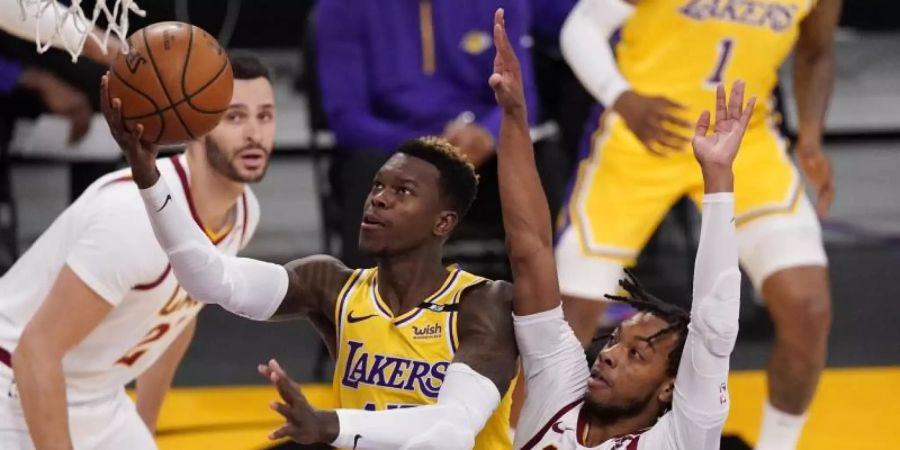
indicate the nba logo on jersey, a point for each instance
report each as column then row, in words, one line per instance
column 723, row 394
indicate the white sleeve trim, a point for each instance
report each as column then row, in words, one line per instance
column 530, row 319
column 584, row 42
column 94, row 283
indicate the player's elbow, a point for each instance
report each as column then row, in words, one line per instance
column 204, row 276
column 717, row 317
column 571, row 34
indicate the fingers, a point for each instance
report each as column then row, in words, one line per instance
column 496, row 82
column 286, row 387
column 501, row 40
column 81, row 122
column 736, row 100
column 748, row 112
column 824, row 198
column 676, row 121
column 138, row 132
column 721, row 112
column 651, row 147
column 104, row 95
column 264, row 371
column 672, row 140
column 702, row 124
column 282, row 409
column 116, row 113
column 276, row 367
column 672, row 104
column 286, row 430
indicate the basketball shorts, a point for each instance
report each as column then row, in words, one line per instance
column 622, row 192
column 109, row 422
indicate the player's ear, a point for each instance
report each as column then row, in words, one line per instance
column 665, row 392
column 445, row 222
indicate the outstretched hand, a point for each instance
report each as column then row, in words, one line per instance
column 303, row 423
column 716, row 151
column 141, row 156
column 507, row 77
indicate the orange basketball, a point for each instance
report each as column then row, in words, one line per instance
column 176, row 81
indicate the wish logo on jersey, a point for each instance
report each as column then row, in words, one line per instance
column 776, row 16
column 427, row 332
column 362, row 367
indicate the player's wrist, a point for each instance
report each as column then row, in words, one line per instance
column 145, row 178
column 717, row 179
column 809, row 141
column 329, row 425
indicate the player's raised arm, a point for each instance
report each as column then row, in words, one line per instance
column 254, row 289
column 526, row 215
column 700, row 403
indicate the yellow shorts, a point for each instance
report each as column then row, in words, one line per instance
column 622, row 192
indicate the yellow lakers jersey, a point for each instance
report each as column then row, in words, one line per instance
column 683, row 48
column 386, row 361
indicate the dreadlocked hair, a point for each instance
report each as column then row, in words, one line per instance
column 458, row 178
column 675, row 316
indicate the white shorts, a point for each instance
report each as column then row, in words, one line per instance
column 109, row 423
column 765, row 245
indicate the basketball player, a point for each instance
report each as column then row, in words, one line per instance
column 93, row 304
column 660, row 381
column 671, row 55
column 397, row 330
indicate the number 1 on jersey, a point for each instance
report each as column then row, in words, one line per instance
column 725, row 47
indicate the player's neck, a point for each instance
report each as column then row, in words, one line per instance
column 404, row 281
column 601, row 429
column 214, row 194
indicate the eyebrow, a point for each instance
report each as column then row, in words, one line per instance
column 244, row 106
column 649, row 339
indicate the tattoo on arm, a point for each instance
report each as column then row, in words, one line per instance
column 487, row 342
column 313, row 286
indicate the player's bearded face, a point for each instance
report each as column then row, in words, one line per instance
column 240, row 146
column 630, row 372
column 402, row 207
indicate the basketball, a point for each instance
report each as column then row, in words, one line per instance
column 176, row 81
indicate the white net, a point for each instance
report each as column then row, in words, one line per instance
column 68, row 27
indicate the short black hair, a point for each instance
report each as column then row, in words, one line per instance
column 247, row 67
column 458, row 178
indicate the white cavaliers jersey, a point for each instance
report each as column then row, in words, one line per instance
column 556, row 375
column 106, row 239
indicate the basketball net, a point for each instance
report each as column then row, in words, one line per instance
column 72, row 27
